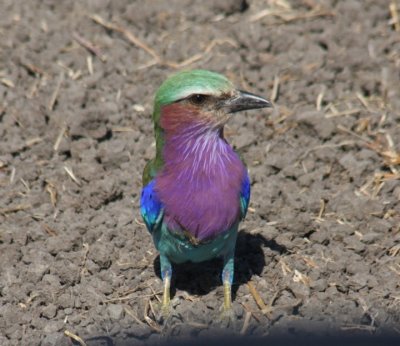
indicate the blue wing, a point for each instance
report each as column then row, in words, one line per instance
column 151, row 207
column 245, row 196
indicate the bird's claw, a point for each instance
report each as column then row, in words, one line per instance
column 165, row 312
column 226, row 318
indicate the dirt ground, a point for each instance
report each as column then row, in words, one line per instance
column 320, row 249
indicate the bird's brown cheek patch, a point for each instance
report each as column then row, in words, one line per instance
column 176, row 117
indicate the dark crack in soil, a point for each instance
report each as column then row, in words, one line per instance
column 320, row 249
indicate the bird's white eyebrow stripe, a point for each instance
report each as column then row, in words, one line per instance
column 203, row 91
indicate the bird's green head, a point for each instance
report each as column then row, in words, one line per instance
column 207, row 94
column 187, row 83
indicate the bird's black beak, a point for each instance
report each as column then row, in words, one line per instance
column 243, row 100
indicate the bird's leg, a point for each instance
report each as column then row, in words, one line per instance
column 227, row 278
column 166, row 273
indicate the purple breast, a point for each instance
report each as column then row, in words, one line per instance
column 200, row 184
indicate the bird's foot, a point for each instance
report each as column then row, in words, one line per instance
column 165, row 312
column 227, row 317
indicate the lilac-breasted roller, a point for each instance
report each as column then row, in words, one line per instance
column 197, row 189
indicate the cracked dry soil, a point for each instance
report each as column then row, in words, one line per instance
column 320, row 249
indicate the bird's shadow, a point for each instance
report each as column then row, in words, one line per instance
column 201, row 278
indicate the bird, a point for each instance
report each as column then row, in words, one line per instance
column 196, row 190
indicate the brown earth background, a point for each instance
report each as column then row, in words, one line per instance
column 320, row 248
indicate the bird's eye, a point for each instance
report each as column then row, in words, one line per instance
column 198, row 99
